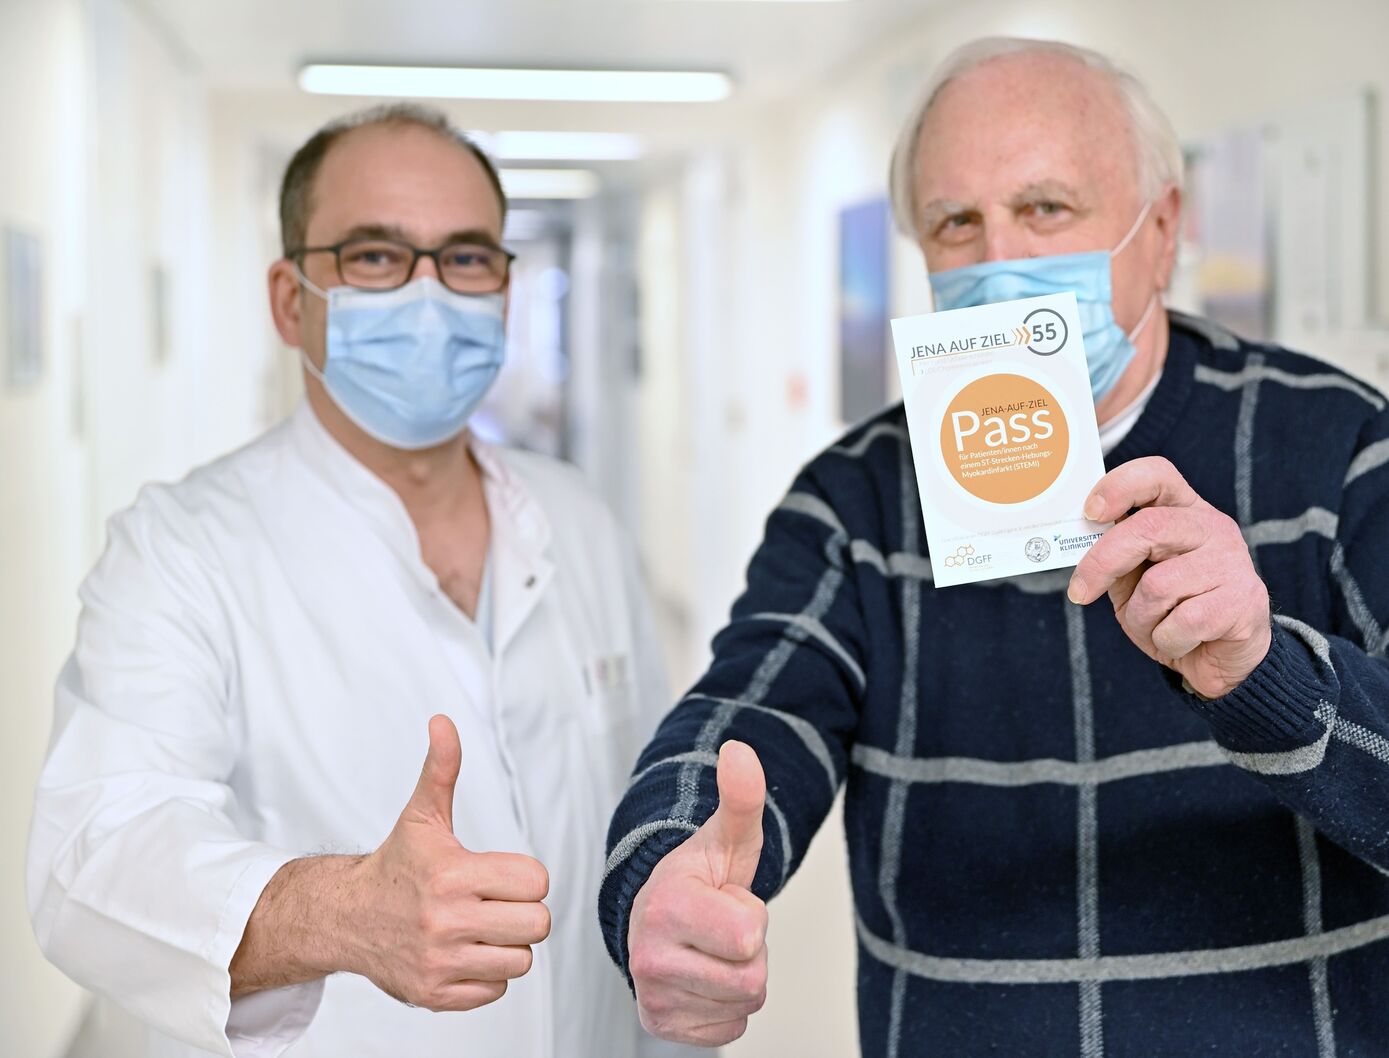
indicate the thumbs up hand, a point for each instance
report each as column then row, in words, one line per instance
column 697, row 939
column 439, row 926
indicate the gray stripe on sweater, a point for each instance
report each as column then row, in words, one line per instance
column 1233, row 380
column 826, row 588
column 711, row 733
column 1087, row 833
column 1244, row 439
column 814, row 507
column 822, row 512
column 783, row 830
column 1288, row 762
column 897, row 564
column 1362, row 738
column 1157, row 966
column 702, row 759
column 707, row 758
column 813, row 629
column 632, row 840
column 803, row 730
column 1343, row 730
column 1310, row 862
column 1045, row 770
column 1316, row 642
column 855, row 449
column 1369, row 458
column 1208, row 329
column 1372, row 637
column 1314, row 520
column 890, row 861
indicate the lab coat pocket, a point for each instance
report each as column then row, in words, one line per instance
column 611, row 695
column 611, row 702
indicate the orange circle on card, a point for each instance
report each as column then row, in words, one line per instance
column 1004, row 438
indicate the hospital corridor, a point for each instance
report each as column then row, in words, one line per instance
column 516, row 424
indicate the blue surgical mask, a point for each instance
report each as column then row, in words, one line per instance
column 409, row 366
column 1108, row 350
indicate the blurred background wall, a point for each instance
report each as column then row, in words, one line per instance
column 676, row 324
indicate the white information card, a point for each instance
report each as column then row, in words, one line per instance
column 1003, row 434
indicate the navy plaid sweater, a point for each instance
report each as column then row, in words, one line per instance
column 1054, row 849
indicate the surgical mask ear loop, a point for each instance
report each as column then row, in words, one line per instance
column 1147, row 315
column 303, row 356
column 1142, row 216
column 306, row 281
column 311, row 368
column 1123, row 243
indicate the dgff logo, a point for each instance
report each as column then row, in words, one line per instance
column 964, row 556
column 1046, row 331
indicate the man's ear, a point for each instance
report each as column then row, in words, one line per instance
column 1167, row 212
column 286, row 302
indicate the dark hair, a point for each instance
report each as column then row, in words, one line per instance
column 296, row 189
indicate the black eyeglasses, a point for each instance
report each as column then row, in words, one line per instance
column 385, row 264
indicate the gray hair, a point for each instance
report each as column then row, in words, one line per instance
column 1159, row 154
column 296, row 189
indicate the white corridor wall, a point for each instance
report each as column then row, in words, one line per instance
column 103, row 130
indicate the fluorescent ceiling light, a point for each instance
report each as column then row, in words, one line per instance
column 549, row 183
column 454, row 82
column 524, row 145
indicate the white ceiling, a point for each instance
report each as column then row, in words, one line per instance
column 249, row 53
column 770, row 48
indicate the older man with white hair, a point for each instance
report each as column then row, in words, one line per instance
column 1154, row 828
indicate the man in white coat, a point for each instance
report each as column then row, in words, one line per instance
column 263, row 645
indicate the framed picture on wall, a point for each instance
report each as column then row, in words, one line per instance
column 23, row 329
column 1227, row 223
column 1276, row 243
column 865, row 354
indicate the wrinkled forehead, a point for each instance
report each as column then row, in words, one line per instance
column 1023, row 120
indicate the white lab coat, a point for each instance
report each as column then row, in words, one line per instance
column 259, row 652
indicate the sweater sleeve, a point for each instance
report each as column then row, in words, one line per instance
column 787, row 677
column 1312, row 721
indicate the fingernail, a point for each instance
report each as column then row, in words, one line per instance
column 1094, row 508
column 1076, row 591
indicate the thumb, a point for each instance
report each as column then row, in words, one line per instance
column 735, row 828
column 432, row 801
